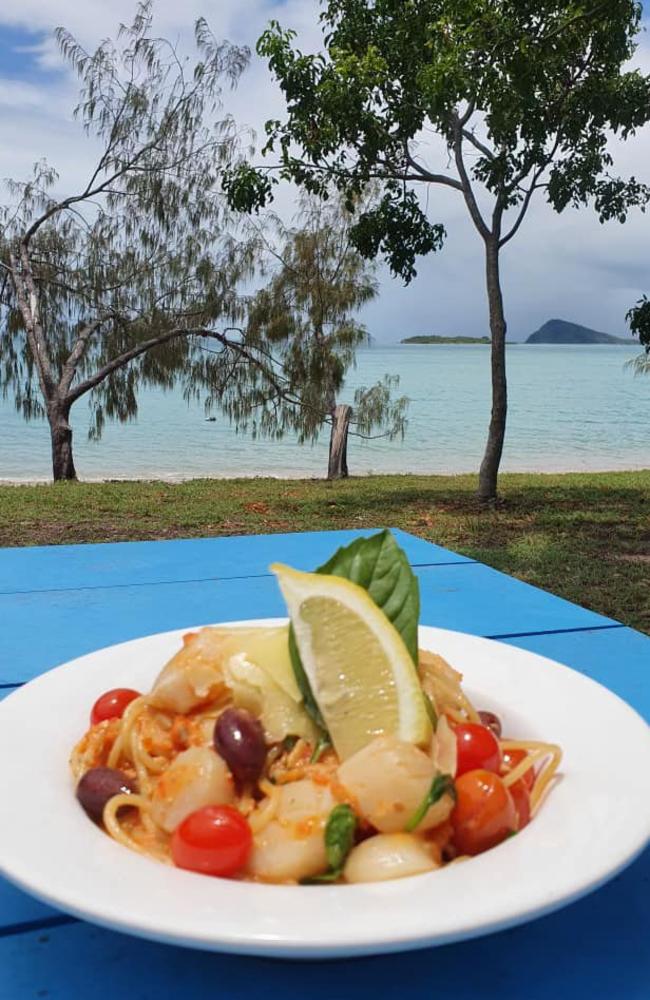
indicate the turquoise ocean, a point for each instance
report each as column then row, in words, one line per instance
column 571, row 408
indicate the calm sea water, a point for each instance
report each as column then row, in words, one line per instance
column 571, row 408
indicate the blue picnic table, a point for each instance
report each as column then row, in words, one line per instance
column 60, row 602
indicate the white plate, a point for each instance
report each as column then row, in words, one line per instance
column 592, row 824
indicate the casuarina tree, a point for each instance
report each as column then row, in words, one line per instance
column 522, row 97
column 121, row 281
column 305, row 315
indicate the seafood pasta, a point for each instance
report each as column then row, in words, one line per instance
column 328, row 750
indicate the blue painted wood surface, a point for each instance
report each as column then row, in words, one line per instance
column 596, row 948
column 617, row 658
column 123, row 564
column 467, row 597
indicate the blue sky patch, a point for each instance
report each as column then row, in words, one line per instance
column 16, row 64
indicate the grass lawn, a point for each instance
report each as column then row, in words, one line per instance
column 583, row 536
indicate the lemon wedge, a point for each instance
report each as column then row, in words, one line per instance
column 359, row 669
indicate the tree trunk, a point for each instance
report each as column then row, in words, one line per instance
column 338, row 461
column 489, row 471
column 61, row 434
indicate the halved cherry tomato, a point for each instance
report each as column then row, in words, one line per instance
column 477, row 747
column 521, row 798
column 111, row 704
column 214, row 840
column 484, row 813
column 511, row 760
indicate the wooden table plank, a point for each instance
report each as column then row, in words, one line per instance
column 119, row 564
column 596, row 949
column 49, row 628
column 17, row 908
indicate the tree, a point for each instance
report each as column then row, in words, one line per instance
column 639, row 319
column 524, row 96
column 121, row 282
column 302, row 323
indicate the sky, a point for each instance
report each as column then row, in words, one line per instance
column 564, row 266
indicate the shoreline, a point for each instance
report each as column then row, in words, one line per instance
column 309, row 477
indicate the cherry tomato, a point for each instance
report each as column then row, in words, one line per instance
column 484, row 813
column 511, row 760
column 214, row 840
column 521, row 798
column 111, row 704
column 478, row 748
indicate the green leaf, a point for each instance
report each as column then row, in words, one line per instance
column 323, row 744
column 339, row 835
column 339, row 839
column 441, row 785
column 303, row 684
column 381, row 567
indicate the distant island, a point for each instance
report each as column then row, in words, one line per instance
column 559, row 331
column 430, row 339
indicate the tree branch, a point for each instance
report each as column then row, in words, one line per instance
column 426, row 175
column 135, row 352
column 77, row 352
column 27, row 296
column 469, row 135
column 467, row 189
column 522, row 213
column 534, row 186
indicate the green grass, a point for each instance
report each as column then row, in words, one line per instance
column 584, row 536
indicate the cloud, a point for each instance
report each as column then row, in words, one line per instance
column 558, row 265
column 20, row 96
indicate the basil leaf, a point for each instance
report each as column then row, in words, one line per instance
column 441, row 785
column 323, row 744
column 339, row 835
column 303, row 684
column 380, row 566
column 339, row 839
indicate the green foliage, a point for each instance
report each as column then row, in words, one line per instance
column 247, row 189
column 639, row 319
column 530, row 90
column 143, row 248
column 442, row 784
column 397, row 229
column 340, row 831
column 380, row 566
column 301, row 324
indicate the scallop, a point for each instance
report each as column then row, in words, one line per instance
column 292, row 846
column 388, row 856
column 196, row 778
column 194, row 676
column 388, row 780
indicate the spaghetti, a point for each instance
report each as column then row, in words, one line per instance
column 177, row 759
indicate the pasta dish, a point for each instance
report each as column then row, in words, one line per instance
column 327, row 750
